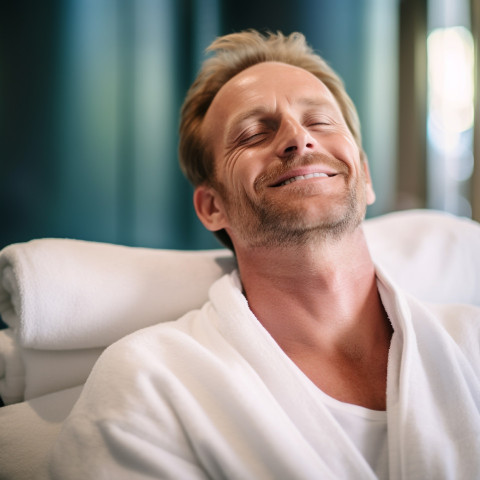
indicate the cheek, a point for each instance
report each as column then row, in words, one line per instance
column 243, row 172
column 347, row 146
column 346, row 149
column 338, row 142
column 234, row 186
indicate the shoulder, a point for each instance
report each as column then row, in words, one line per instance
column 151, row 348
column 456, row 326
column 130, row 403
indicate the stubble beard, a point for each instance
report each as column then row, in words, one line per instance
column 285, row 227
column 265, row 224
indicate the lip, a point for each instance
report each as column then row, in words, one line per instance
column 303, row 171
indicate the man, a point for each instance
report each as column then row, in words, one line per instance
column 308, row 362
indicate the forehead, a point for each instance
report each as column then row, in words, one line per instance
column 264, row 85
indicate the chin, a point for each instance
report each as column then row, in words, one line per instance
column 292, row 232
column 264, row 224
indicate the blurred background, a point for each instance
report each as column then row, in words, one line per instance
column 90, row 92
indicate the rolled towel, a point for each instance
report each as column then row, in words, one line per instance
column 48, row 371
column 27, row 373
column 12, row 371
column 64, row 294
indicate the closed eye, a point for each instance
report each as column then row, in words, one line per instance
column 313, row 120
column 252, row 136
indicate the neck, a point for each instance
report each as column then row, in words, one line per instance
column 330, row 282
column 319, row 301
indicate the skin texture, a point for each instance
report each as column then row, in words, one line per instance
column 302, row 256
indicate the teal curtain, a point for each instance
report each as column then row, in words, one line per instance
column 90, row 92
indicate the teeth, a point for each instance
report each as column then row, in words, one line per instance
column 303, row 177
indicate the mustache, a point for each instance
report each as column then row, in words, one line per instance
column 295, row 161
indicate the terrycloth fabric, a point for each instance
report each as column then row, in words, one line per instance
column 27, row 432
column 12, row 370
column 48, row 371
column 27, row 373
column 68, row 294
column 64, row 294
column 213, row 396
column 433, row 255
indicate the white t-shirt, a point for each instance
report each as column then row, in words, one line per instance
column 368, row 431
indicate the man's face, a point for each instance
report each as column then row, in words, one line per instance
column 287, row 168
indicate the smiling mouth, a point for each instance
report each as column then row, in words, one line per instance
column 303, row 177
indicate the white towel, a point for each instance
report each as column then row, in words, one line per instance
column 27, row 373
column 66, row 294
column 12, row 371
column 63, row 294
column 48, row 371
column 432, row 255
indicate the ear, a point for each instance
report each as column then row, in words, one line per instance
column 370, row 193
column 209, row 207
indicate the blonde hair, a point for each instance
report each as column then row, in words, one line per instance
column 232, row 54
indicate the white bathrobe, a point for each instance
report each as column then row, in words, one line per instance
column 213, row 396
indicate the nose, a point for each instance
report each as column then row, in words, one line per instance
column 294, row 139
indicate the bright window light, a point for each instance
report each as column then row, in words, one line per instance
column 450, row 117
column 450, row 78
